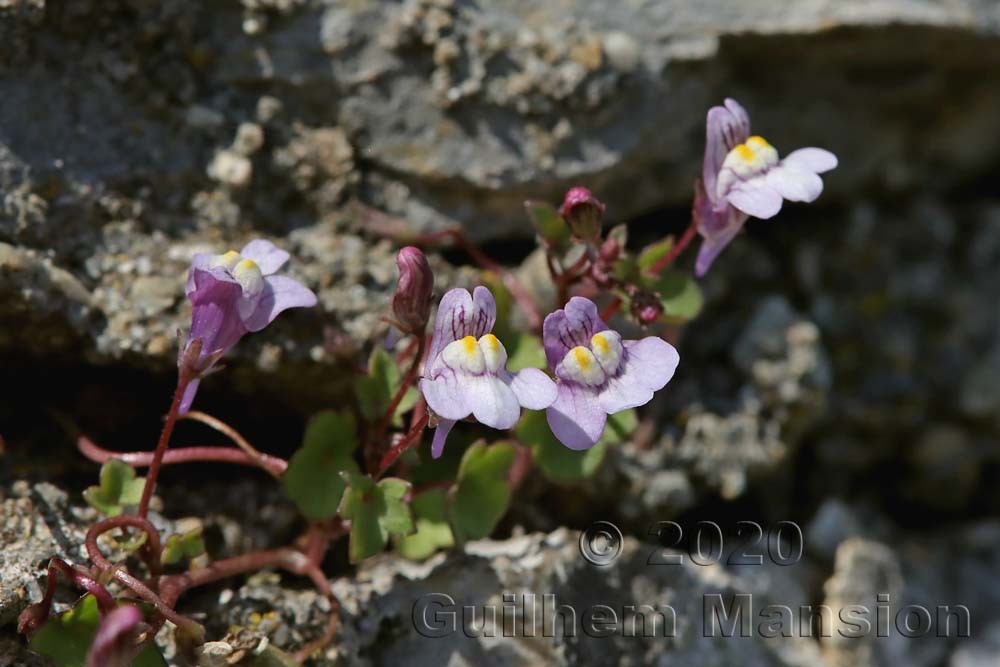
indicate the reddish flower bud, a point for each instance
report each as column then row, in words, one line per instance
column 114, row 644
column 411, row 304
column 584, row 214
column 645, row 306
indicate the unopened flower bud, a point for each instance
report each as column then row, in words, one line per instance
column 584, row 214
column 645, row 306
column 411, row 304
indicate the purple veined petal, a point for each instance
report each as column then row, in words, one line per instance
column 189, row 393
column 533, row 389
column 440, row 435
column 266, row 255
column 201, row 261
column 756, row 198
column 795, row 184
column 575, row 417
column 493, row 403
column 215, row 315
column 446, row 395
column 816, row 160
column 459, row 315
column 279, row 293
column 569, row 327
column 725, row 127
column 714, row 244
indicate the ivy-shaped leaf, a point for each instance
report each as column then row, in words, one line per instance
column 621, row 426
column 551, row 228
column 375, row 510
column 313, row 479
column 680, row 295
column 654, row 252
column 119, row 488
column 183, row 546
column 375, row 390
column 66, row 638
column 526, row 352
column 433, row 531
column 481, row 493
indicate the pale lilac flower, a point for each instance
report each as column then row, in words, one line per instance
column 742, row 176
column 114, row 644
column 233, row 294
column 466, row 369
column 598, row 373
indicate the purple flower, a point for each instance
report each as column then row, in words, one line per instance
column 742, row 176
column 114, row 645
column 466, row 369
column 598, row 373
column 233, row 294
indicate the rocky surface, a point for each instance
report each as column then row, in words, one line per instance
column 398, row 611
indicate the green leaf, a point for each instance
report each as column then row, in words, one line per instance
column 620, row 428
column 376, row 390
column 313, row 479
column 66, row 638
column 547, row 222
column 654, row 252
column 433, row 531
column 182, row 546
column 481, row 493
column 620, row 234
column 680, row 295
column 375, row 512
column 119, row 488
column 558, row 462
column 526, row 352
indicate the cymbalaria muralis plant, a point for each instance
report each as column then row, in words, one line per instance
column 562, row 387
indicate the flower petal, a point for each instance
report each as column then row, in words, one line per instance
column 569, row 327
column 493, row 403
column 816, row 160
column 575, row 417
column 266, row 255
column 215, row 315
column 189, row 394
column 201, row 261
column 279, row 293
column 459, row 315
column 755, row 197
column 714, row 244
column 533, row 389
column 446, row 395
column 795, row 184
column 649, row 365
column 725, row 128
column 440, row 435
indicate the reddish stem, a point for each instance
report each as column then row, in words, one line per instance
column 231, row 433
column 32, row 617
column 161, row 447
column 150, row 552
column 676, row 250
column 406, row 442
column 611, row 309
column 274, row 465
